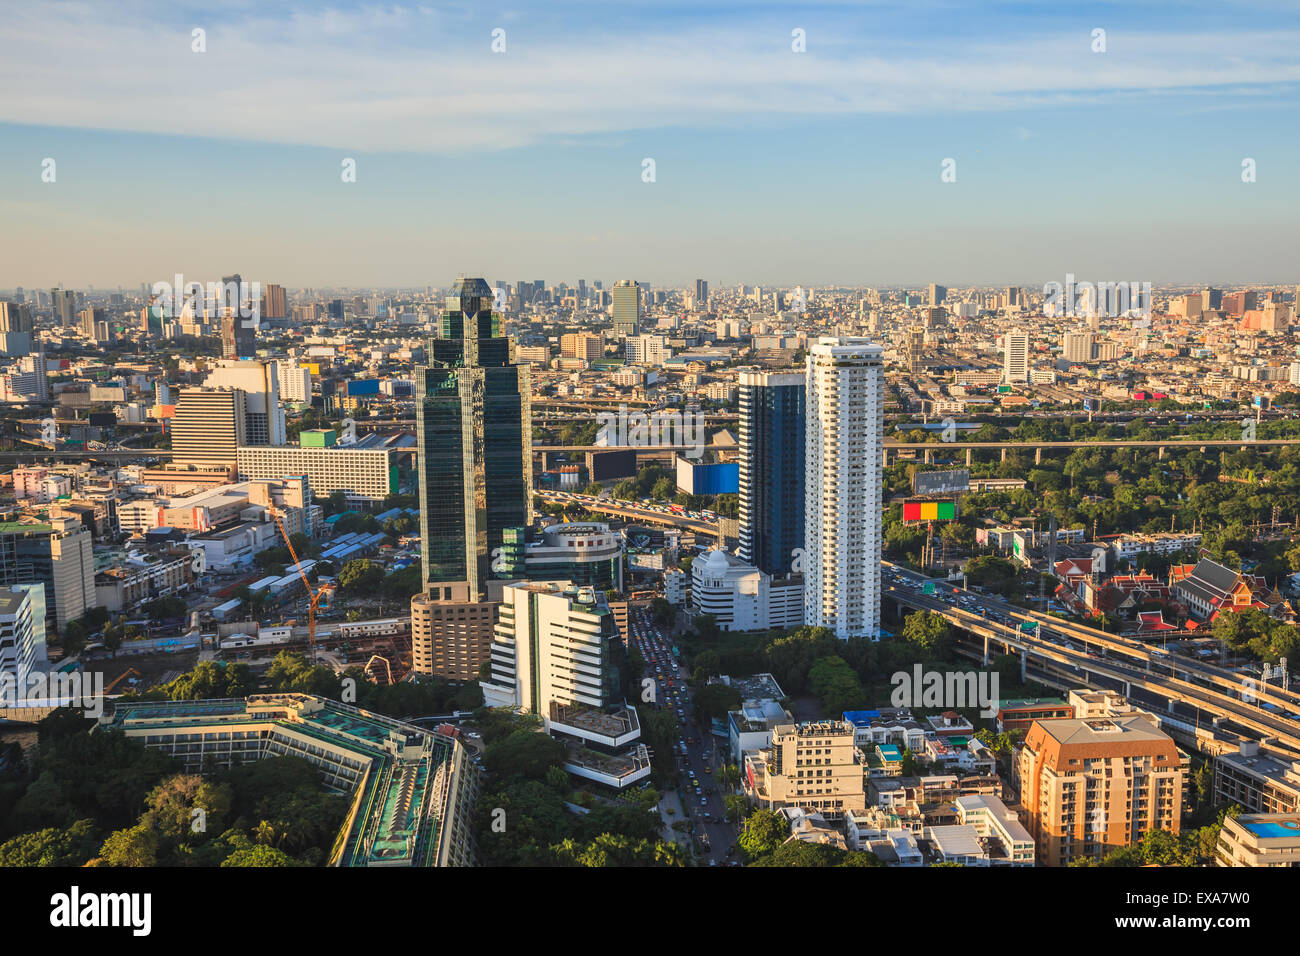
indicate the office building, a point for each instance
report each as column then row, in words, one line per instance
column 1015, row 357
column 208, row 427
column 589, row 348
column 22, row 638
column 844, row 438
column 701, row 295
column 557, row 654
column 585, row 553
column 238, row 336
column 275, row 305
column 63, row 303
column 366, row 476
column 15, row 317
column 627, row 308
column 474, row 435
column 773, row 410
column 1092, row 785
column 740, row 597
column 915, row 350
column 260, row 382
column 648, row 350
column 55, row 553
column 937, row 294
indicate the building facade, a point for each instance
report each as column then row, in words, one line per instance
column 773, row 411
column 1089, row 786
column 474, row 434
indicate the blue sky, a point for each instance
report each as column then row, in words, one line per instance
column 771, row 166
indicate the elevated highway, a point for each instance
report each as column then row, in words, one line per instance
column 1099, row 659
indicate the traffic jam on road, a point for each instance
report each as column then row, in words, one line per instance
column 697, row 754
column 645, row 504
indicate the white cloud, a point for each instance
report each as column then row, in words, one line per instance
column 411, row 79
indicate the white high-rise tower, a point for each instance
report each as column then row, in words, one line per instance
column 1015, row 357
column 844, row 439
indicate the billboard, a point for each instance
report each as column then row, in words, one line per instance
column 953, row 481
column 363, row 386
column 103, row 419
column 605, row 465
column 929, row 510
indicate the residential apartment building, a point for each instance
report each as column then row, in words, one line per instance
column 812, row 765
column 1015, row 357
column 1259, row 839
column 844, row 440
column 1092, row 785
column 451, row 631
column 56, row 553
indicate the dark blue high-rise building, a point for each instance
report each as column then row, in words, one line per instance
column 772, row 409
column 474, row 440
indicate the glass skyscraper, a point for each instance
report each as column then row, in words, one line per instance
column 772, row 415
column 475, row 441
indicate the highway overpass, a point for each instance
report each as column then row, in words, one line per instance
column 1100, row 659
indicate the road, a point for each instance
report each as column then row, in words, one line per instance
column 633, row 511
column 698, row 791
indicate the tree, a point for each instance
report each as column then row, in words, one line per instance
column 361, row 575
column 834, row 682
column 715, row 700
column 259, row 855
column 663, row 489
column 930, row 632
column 764, row 831
column 137, row 846
column 53, row 846
column 524, row 752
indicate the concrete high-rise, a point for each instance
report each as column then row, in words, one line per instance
column 772, row 447
column 208, row 427
column 55, row 553
column 1077, row 347
column 274, row 302
column 915, row 350
column 238, row 337
column 264, row 422
column 701, row 295
column 1015, row 357
column 62, row 302
column 627, row 308
column 474, row 429
column 844, row 440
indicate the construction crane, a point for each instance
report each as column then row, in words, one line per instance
column 313, row 594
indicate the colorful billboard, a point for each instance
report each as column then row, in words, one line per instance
column 929, row 510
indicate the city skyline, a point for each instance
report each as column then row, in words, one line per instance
column 818, row 167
